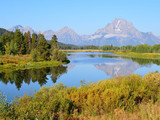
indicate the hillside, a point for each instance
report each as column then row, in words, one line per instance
column 2, row 31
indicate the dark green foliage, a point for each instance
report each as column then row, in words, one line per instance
column 58, row 55
column 88, row 47
column 18, row 39
column 4, row 39
column 1, row 46
column 110, row 47
column 26, row 43
column 67, row 46
column 17, row 43
column 34, row 55
column 11, row 36
column 54, row 42
column 156, row 48
column 143, row 48
column 126, row 48
column 29, row 41
column 7, row 49
column 138, row 49
column 13, row 47
column 43, row 48
column 23, row 48
column 74, row 47
column 34, row 41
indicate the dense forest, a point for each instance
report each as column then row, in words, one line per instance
column 21, row 44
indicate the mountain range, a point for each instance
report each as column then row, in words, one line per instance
column 118, row 33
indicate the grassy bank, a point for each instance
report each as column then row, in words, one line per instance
column 24, row 62
column 138, row 55
column 131, row 97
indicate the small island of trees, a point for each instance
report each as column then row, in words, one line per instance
column 33, row 45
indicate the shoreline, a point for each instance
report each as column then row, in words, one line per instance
column 24, row 62
column 138, row 55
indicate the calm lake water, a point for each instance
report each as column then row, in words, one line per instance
column 86, row 66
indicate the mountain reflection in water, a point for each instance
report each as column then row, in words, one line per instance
column 87, row 66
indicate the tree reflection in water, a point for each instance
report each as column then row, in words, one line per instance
column 32, row 75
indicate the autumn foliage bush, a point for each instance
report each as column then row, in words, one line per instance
column 122, row 95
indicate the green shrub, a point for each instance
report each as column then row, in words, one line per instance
column 6, row 109
column 58, row 55
column 34, row 55
column 104, row 97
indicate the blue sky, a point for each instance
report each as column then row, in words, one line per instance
column 83, row 16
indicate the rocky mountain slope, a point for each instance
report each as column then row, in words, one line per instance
column 118, row 33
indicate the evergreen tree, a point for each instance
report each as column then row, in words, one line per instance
column 34, row 41
column 43, row 48
column 7, row 48
column 1, row 46
column 4, row 39
column 156, row 48
column 26, row 43
column 56, row 54
column 54, row 42
column 29, row 40
column 23, row 48
column 13, row 47
column 18, row 39
column 34, row 55
column 11, row 36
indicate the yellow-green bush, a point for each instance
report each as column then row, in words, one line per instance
column 104, row 97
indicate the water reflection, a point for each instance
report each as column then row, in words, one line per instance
column 118, row 68
column 83, row 66
column 113, row 65
column 32, row 75
column 140, row 61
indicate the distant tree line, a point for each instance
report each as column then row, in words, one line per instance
column 36, row 45
column 144, row 48
column 138, row 49
column 74, row 47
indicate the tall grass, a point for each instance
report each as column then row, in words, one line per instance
column 138, row 55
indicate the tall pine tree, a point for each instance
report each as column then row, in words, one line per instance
column 18, row 39
column 4, row 40
column 29, row 40
column 43, row 48
column 26, row 43
column 34, row 41
column 54, row 42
